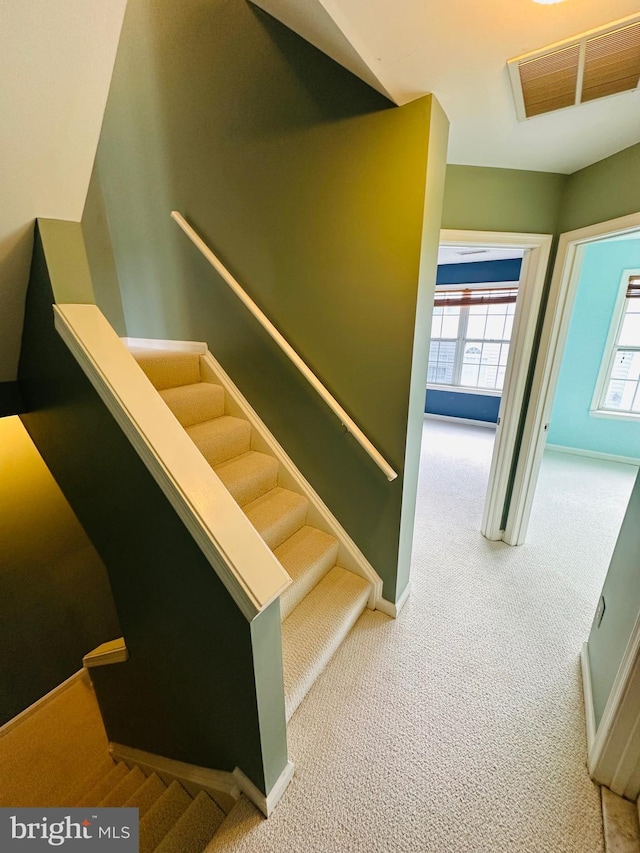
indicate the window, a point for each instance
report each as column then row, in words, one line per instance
column 618, row 389
column 470, row 334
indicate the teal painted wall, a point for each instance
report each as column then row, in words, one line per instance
column 621, row 593
column 55, row 600
column 571, row 425
column 310, row 186
column 190, row 689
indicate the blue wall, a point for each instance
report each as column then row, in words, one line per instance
column 457, row 404
column 477, row 407
column 571, row 425
column 479, row 271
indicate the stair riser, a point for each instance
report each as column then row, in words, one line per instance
column 218, row 448
column 307, row 581
column 169, row 370
column 284, row 527
column 249, row 487
column 195, row 403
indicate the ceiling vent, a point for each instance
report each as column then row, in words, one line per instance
column 594, row 65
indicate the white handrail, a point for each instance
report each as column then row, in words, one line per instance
column 306, row 371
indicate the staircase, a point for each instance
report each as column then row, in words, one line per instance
column 324, row 600
column 171, row 820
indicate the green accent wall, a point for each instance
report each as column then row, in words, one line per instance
column 478, row 198
column 603, row 191
column 188, row 690
column 55, row 599
column 104, row 276
column 621, row 592
column 310, row 187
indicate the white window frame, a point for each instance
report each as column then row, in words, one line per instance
column 611, row 346
column 460, row 339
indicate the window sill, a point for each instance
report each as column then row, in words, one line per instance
column 618, row 416
column 462, row 389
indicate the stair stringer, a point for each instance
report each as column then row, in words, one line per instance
column 222, row 786
column 289, row 476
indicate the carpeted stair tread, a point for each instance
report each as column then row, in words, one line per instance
column 195, row 829
column 192, row 404
column 306, row 556
column 277, row 515
column 222, row 438
column 166, row 369
column 162, row 816
column 100, row 790
column 146, row 795
column 94, row 777
column 249, row 476
column 314, row 630
column 130, row 783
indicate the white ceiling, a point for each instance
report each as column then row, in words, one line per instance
column 473, row 254
column 56, row 60
column 458, row 50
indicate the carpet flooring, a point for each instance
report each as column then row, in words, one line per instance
column 459, row 727
column 45, row 759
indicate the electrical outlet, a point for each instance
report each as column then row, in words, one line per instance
column 600, row 612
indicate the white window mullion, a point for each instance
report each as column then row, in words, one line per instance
column 460, row 343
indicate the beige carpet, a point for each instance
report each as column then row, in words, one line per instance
column 45, row 759
column 459, row 728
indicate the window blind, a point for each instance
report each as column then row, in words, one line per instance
column 482, row 296
column 633, row 290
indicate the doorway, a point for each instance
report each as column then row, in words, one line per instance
column 555, row 330
column 482, row 357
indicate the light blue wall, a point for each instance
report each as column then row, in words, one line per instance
column 571, row 425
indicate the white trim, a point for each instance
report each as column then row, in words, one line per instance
column 593, row 454
column 452, row 419
column 165, row 345
column 221, row 785
column 265, row 804
column 615, row 753
column 241, row 559
column 478, row 285
column 610, row 349
column 532, row 278
column 612, row 414
column 44, row 700
column 345, row 419
column 289, row 476
column 463, row 389
column 564, row 283
column 115, row 651
column 587, row 692
column 391, row 609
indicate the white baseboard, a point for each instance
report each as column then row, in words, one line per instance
column 390, row 608
column 454, row 420
column 44, row 700
column 593, row 454
column 587, row 692
column 265, row 804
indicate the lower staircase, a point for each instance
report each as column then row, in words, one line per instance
column 171, row 820
column 325, row 599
